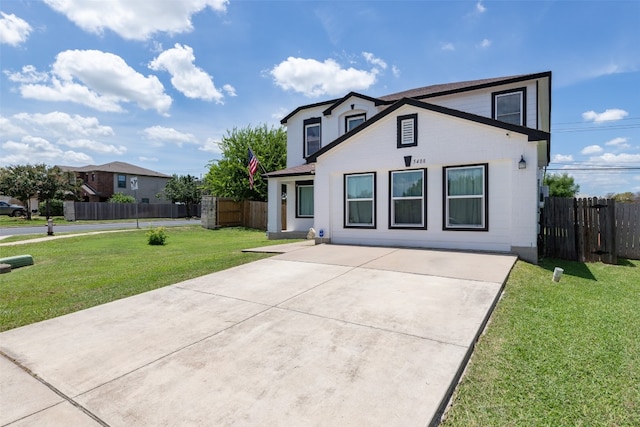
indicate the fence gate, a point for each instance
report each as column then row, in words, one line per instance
column 579, row 229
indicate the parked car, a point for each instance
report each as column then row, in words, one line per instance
column 11, row 210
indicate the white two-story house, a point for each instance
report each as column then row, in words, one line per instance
column 450, row 166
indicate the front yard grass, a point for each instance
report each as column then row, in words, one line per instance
column 75, row 273
column 557, row 354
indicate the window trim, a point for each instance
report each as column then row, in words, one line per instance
column 523, row 103
column 401, row 119
column 424, row 201
column 124, row 181
column 485, row 198
column 300, row 184
column 345, row 214
column 351, row 117
column 308, row 123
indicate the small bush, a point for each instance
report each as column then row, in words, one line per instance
column 157, row 236
column 55, row 205
column 121, row 198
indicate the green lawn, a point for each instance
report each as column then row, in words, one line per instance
column 558, row 354
column 79, row 272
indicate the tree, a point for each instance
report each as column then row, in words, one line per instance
column 182, row 189
column 229, row 176
column 46, row 183
column 561, row 185
column 626, row 197
column 121, row 198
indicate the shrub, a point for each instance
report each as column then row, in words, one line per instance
column 157, row 236
column 56, row 207
column 121, row 198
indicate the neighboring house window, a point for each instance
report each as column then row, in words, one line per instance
column 311, row 136
column 465, row 197
column 122, row 181
column 359, row 191
column 408, row 130
column 407, row 199
column 351, row 122
column 304, row 203
column 145, row 200
column 510, row 106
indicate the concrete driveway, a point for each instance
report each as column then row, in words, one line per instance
column 319, row 335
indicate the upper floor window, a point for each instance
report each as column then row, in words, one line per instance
column 408, row 130
column 509, row 106
column 351, row 122
column 122, row 181
column 312, row 133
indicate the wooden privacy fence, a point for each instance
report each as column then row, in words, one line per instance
column 590, row 230
column 103, row 210
column 245, row 213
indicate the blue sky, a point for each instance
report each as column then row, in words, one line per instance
column 158, row 83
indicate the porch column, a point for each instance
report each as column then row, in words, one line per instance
column 274, row 212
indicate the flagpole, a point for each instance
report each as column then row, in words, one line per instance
column 259, row 162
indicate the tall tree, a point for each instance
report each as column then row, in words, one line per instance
column 561, row 185
column 182, row 189
column 229, row 176
column 46, row 183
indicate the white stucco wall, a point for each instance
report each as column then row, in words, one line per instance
column 443, row 141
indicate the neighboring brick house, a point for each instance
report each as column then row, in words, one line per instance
column 451, row 166
column 103, row 181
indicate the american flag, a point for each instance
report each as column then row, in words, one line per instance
column 253, row 167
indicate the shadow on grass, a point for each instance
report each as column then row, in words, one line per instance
column 571, row 268
column 625, row 262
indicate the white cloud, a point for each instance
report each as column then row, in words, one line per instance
column 395, row 70
column 91, row 145
column 591, row 149
column 13, row 30
column 607, row 115
column 9, row 129
column 64, row 125
column 619, row 159
column 135, row 20
column 371, row 59
column 163, row 134
column 29, row 74
column 480, row 8
column 562, row 158
column 148, row 159
column 211, row 146
column 32, row 149
column 99, row 80
column 485, row 43
column 314, row 78
column 192, row 81
column 230, row 90
column 279, row 115
column 619, row 142
column 448, row 46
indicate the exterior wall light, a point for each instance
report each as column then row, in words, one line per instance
column 522, row 164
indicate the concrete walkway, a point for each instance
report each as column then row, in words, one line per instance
column 319, row 335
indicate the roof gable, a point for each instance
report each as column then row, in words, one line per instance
column 532, row 134
column 342, row 100
column 117, row 167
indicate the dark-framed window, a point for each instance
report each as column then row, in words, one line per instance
column 304, row 199
column 408, row 130
column 510, row 106
column 408, row 199
column 353, row 121
column 466, row 198
column 122, row 181
column 360, row 200
column 312, row 135
column 145, row 200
